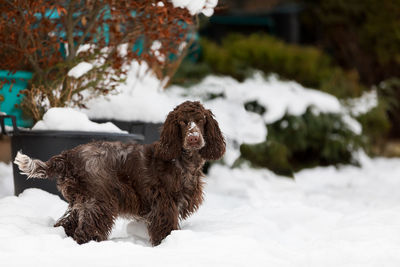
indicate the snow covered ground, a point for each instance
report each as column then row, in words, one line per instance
column 325, row 217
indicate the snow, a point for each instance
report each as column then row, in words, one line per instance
column 205, row 7
column 352, row 124
column 85, row 48
column 6, row 183
column 81, row 69
column 279, row 97
column 192, row 125
column 325, row 217
column 72, row 120
column 155, row 49
column 236, row 123
column 145, row 101
column 361, row 105
column 140, row 98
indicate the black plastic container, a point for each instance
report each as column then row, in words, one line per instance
column 46, row 143
column 149, row 130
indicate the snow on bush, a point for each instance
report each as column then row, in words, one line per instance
column 277, row 96
column 362, row 105
column 197, row 6
column 81, row 69
column 142, row 99
column 72, row 120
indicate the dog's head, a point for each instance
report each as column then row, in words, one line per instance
column 191, row 127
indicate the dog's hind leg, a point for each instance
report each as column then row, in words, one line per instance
column 95, row 221
column 69, row 221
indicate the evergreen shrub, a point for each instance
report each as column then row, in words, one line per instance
column 237, row 55
column 389, row 93
column 297, row 142
column 376, row 126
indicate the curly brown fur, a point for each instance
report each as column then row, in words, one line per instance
column 159, row 183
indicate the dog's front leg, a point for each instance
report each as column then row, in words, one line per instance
column 191, row 200
column 162, row 220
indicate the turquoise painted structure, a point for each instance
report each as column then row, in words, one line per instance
column 11, row 97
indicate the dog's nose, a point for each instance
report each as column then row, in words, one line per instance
column 193, row 139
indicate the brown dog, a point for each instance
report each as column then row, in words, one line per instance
column 158, row 183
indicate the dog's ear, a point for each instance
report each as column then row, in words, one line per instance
column 215, row 143
column 170, row 146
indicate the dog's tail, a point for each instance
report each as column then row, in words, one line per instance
column 33, row 168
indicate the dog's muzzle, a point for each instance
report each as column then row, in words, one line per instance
column 194, row 138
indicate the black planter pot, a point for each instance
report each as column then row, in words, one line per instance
column 149, row 130
column 45, row 144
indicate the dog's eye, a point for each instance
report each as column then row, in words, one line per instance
column 200, row 122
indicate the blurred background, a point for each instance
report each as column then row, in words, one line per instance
column 344, row 48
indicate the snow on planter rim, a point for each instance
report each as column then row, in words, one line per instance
column 68, row 119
